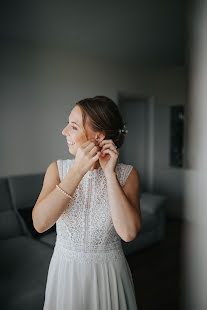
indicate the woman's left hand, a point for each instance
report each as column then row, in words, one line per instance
column 109, row 156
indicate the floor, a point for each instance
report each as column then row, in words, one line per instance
column 156, row 271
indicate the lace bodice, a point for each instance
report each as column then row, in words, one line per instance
column 86, row 224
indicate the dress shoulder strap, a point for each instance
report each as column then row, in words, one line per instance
column 63, row 166
column 123, row 171
column 60, row 168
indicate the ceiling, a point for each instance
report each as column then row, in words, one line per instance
column 137, row 32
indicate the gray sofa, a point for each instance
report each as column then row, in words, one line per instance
column 25, row 253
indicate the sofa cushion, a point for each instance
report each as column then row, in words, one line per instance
column 142, row 240
column 149, row 221
column 24, row 264
column 25, row 189
column 9, row 225
column 49, row 238
column 6, row 202
column 26, row 215
column 151, row 203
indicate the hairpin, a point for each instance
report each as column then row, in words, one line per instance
column 123, row 130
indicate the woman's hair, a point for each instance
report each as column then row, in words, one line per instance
column 103, row 115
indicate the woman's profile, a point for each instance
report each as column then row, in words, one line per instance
column 94, row 201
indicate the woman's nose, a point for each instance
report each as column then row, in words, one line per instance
column 66, row 131
column 63, row 132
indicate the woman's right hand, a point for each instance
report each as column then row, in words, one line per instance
column 87, row 154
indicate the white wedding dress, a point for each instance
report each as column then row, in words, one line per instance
column 88, row 269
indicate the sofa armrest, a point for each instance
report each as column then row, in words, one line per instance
column 151, row 203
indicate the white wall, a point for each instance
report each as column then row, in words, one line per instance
column 194, row 244
column 168, row 180
column 134, row 148
column 40, row 86
column 147, row 147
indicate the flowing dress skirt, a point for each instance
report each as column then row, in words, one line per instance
column 74, row 284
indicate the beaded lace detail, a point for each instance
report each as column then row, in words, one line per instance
column 85, row 230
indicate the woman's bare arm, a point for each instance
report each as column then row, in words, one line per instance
column 51, row 202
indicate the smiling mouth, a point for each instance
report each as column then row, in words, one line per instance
column 70, row 143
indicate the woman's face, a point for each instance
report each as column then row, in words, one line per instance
column 74, row 131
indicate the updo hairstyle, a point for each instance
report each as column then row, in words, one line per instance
column 102, row 114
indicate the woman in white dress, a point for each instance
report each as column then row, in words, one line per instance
column 94, row 201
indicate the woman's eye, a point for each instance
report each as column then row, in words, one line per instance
column 72, row 126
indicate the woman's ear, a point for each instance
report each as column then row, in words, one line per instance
column 100, row 137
